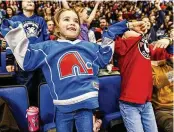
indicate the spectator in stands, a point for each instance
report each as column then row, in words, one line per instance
column 162, row 98
column 99, row 31
column 171, row 35
column 40, row 11
column 9, row 12
column 163, row 94
column 13, row 4
column 135, row 106
column 48, row 14
column 51, row 27
column 95, row 22
column 3, row 45
column 36, row 31
column 2, row 12
column 152, row 28
column 168, row 21
column 161, row 32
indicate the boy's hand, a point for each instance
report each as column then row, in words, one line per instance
column 139, row 26
column 162, row 43
column 10, row 68
column 7, row 25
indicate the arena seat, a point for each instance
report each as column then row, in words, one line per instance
column 3, row 63
column 46, row 108
column 3, row 71
column 17, row 98
column 109, row 93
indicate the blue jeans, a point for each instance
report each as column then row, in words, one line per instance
column 138, row 117
column 83, row 121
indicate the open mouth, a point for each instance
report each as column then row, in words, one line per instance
column 71, row 29
column 30, row 5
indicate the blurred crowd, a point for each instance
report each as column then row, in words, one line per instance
column 107, row 13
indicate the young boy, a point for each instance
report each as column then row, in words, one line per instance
column 36, row 31
column 134, row 54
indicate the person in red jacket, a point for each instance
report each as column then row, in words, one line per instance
column 134, row 54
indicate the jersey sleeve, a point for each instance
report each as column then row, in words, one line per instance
column 103, row 55
column 29, row 57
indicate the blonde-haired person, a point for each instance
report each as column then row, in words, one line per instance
column 70, row 67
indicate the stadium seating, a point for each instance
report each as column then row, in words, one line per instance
column 17, row 98
column 109, row 93
column 3, row 63
column 3, row 71
column 46, row 108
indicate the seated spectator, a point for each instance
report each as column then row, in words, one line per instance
column 162, row 98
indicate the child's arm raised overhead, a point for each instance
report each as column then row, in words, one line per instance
column 93, row 13
column 65, row 4
column 24, row 52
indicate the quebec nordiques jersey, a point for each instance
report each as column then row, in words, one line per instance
column 70, row 69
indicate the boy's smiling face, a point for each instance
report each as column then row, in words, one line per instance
column 69, row 27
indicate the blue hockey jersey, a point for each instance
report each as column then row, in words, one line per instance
column 35, row 28
column 70, row 67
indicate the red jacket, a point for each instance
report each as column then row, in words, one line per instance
column 135, row 68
